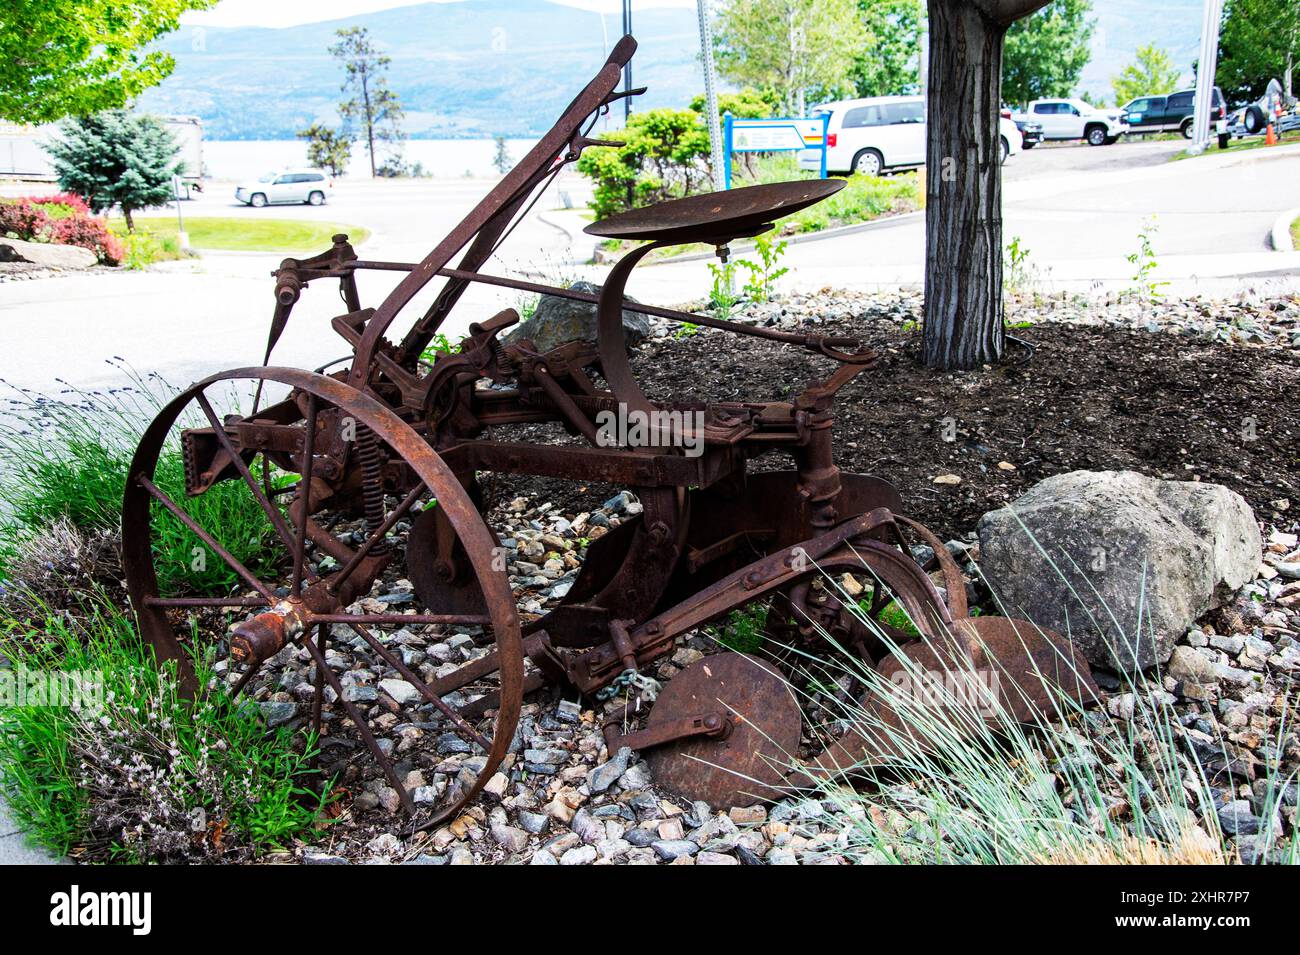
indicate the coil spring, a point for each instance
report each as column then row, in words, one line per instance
column 372, row 486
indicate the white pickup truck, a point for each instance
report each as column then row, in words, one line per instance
column 1074, row 119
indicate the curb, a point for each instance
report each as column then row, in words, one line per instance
column 1280, row 237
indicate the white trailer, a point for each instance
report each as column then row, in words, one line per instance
column 23, row 155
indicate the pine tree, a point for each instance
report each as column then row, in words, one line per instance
column 371, row 103
column 116, row 158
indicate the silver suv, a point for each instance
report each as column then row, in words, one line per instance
column 287, row 185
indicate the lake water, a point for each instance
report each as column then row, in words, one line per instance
column 442, row 158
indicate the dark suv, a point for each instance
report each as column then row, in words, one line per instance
column 1171, row 113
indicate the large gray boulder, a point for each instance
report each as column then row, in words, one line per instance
column 47, row 254
column 1120, row 562
column 559, row 320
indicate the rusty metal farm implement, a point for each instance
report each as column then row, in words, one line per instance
column 363, row 454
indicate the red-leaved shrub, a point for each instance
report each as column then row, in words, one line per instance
column 22, row 219
column 70, row 201
column 89, row 233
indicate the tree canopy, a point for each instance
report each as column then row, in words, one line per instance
column 76, row 57
column 1045, row 53
column 1260, row 40
column 327, row 148
column 801, row 49
column 889, row 61
column 1152, row 73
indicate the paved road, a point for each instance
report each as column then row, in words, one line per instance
column 14, row 848
column 198, row 318
column 1077, row 209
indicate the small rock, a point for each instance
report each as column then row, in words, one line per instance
column 579, row 855
column 670, row 849
column 607, row 773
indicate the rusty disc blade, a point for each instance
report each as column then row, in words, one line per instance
column 992, row 668
column 750, row 763
column 716, row 215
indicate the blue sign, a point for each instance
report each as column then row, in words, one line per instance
column 771, row 136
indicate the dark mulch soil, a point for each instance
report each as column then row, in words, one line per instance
column 1096, row 398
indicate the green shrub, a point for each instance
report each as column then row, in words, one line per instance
column 68, row 459
column 142, row 247
column 863, row 199
column 137, row 773
column 663, row 156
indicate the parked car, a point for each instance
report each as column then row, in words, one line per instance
column 1173, row 113
column 288, row 185
column 1031, row 131
column 1074, row 119
column 881, row 133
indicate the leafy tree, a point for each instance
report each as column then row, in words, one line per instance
column 963, row 207
column 794, row 47
column 1150, row 74
column 1045, row 53
column 1260, row 40
column 116, row 158
column 749, row 103
column 664, row 156
column 327, row 148
column 888, row 63
column 76, row 57
column 370, row 103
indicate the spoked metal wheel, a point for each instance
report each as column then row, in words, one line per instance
column 353, row 473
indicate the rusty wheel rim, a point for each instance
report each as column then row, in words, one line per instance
column 490, row 701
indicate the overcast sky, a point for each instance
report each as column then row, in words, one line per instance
column 284, row 13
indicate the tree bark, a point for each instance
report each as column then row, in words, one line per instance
column 963, row 215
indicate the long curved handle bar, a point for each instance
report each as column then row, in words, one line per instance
column 504, row 195
column 830, row 347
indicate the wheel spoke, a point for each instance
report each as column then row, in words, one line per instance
column 459, row 722
column 204, row 602
column 376, row 537
column 276, row 518
column 231, row 561
column 359, row 720
column 243, row 680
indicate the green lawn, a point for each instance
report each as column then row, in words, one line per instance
column 250, row 234
column 1240, row 145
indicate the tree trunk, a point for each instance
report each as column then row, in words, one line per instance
column 370, row 122
column 963, row 215
column 130, row 223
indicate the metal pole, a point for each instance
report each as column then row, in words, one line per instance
column 627, row 70
column 1212, row 15
column 182, row 236
column 716, row 158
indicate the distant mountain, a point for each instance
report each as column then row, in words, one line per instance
column 471, row 69
column 486, row 67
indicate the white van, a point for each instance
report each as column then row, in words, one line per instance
column 872, row 135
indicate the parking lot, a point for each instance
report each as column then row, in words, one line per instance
column 1077, row 209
